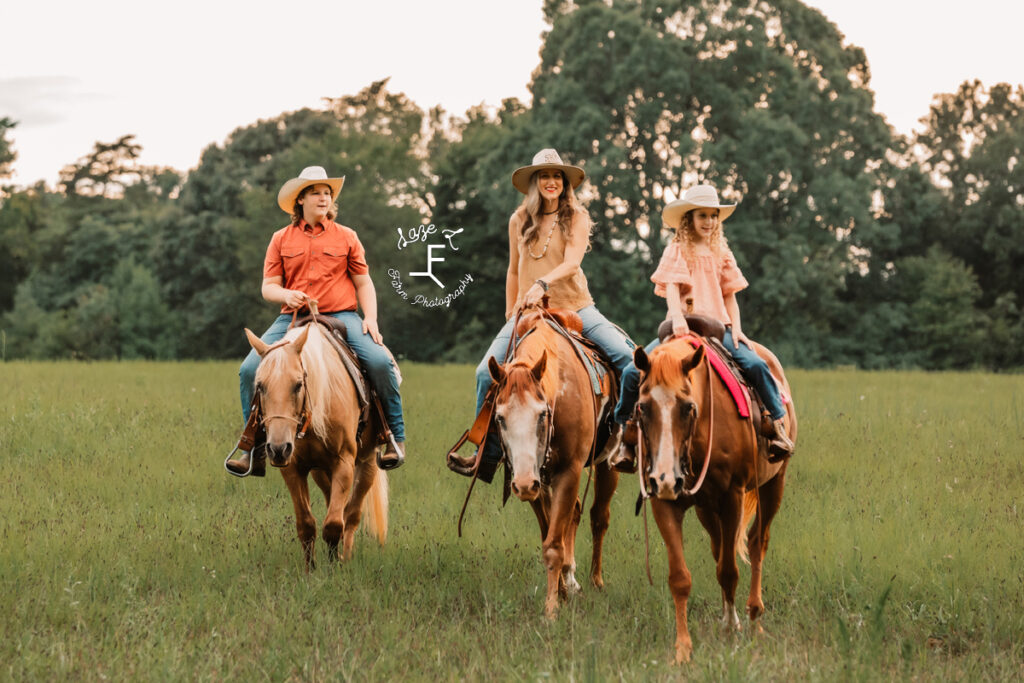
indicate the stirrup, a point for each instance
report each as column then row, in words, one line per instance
column 231, row 471
column 391, row 463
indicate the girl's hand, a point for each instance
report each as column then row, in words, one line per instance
column 679, row 326
column 738, row 336
column 295, row 298
column 370, row 327
column 533, row 296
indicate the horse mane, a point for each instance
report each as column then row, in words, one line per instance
column 325, row 375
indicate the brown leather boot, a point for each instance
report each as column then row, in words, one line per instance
column 624, row 460
column 242, row 464
column 779, row 446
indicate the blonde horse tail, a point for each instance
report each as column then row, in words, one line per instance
column 749, row 510
column 377, row 506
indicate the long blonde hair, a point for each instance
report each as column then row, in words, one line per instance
column 532, row 205
column 686, row 232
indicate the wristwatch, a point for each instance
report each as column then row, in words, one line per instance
column 543, row 285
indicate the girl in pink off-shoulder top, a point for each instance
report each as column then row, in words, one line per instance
column 698, row 266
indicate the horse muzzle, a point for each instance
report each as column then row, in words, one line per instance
column 665, row 486
column 280, row 454
column 526, row 488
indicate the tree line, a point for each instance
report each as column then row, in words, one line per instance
column 862, row 247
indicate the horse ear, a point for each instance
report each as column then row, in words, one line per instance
column 694, row 360
column 538, row 368
column 497, row 372
column 300, row 341
column 256, row 342
column 640, row 360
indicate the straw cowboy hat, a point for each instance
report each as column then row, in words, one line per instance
column 546, row 158
column 311, row 175
column 697, row 197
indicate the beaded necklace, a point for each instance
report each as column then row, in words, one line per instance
column 543, row 251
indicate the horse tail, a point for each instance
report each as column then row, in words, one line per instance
column 749, row 510
column 377, row 507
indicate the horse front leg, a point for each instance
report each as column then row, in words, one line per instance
column 563, row 507
column 334, row 522
column 600, row 515
column 669, row 517
column 305, row 523
column 757, row 543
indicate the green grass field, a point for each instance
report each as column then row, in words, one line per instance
column 126, row 552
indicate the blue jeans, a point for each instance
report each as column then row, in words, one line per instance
column 755, row 370
column 613, row 341
column 372, row 357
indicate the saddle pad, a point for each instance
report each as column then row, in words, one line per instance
column 595, row 369
column 738, row 392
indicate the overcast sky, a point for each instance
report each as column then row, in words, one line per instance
column 183, row 75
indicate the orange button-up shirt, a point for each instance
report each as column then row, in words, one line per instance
column 319, row 261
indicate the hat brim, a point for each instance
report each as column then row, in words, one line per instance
column 521, row 176
column 290, row 190
column 672, row 215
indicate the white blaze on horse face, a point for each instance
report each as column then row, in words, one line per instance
column 523, row 439
column 664, row 463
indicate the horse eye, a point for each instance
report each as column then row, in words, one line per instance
column 260, row 388
column 297, row 388
column 500, row 420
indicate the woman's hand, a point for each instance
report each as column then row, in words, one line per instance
column 370, row 327
column 533, row 296
column 679, row 326
column 295, row 299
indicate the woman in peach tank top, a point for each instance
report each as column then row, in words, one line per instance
column 698, row 264
column 548, row 236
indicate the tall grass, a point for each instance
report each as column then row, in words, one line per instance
column 127, row 552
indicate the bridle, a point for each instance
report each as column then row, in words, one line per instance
column 644, row 464
column 305, row 415
column 549, row 416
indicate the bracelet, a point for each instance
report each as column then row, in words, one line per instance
column 543, row 285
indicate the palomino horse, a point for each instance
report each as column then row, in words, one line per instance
column 548, row 415
column 687, row 416
column 302, row 384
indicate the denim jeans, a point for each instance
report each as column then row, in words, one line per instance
column 755, row 370
column 613, row 341
column 372, row 357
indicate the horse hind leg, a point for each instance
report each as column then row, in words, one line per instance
column 569, row 585
column 757, row 542
column 600, row 515
column 365, row 478
column 730, row 516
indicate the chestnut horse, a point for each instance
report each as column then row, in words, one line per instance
column 686, row 416
column 547, row 416
column 302, row 384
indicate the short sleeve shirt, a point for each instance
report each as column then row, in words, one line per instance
column 706, row 280
column 320, row 261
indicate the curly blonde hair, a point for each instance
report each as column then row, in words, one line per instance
column 686, row 232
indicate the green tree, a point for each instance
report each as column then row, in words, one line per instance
column 7, row 153
column 761, row 99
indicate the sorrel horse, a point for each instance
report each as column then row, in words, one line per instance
column 687, row 419
column 302, row 384
column 547, row 416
